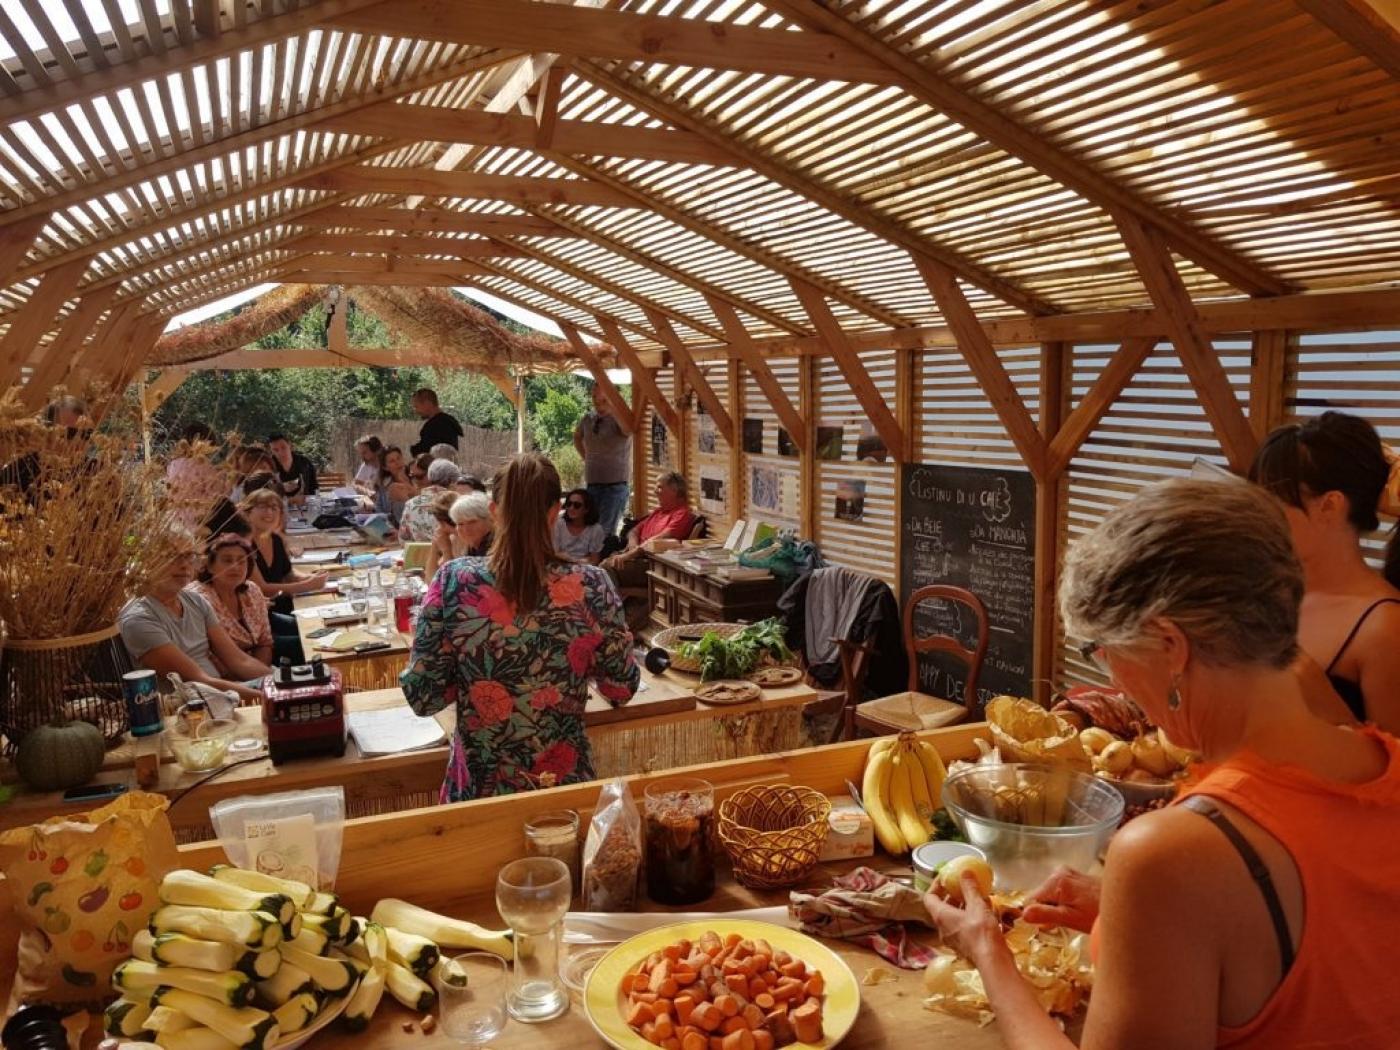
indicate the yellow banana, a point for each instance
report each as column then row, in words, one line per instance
column 902, row 798
column 879, row 747
column 874, row 789
column 918, row 782
column 935, row 772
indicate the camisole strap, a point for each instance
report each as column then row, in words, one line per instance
column 1360, row 622
column 1257, row 870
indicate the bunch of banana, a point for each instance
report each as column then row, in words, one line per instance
column 902, row 788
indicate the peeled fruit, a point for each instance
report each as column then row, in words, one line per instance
column 950, row 877
column 1148, row 755
column 1179, row 755
column 1096, row 739
column 1117, row 757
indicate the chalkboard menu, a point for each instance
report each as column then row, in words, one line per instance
column 975, row 528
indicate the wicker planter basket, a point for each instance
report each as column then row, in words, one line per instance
column 773, row 835
column 671, row 638
column 63, row 679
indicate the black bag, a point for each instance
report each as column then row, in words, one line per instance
column 332, row 521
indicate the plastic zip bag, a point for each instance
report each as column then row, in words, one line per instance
column 612, row 853
column 290, row 834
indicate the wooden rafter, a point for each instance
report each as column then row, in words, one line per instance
column 622, row 412
column 378, row 280
column 55, row 359
column 1094, row 405
column 833, row 201
column 409, row 244
column 429, row 182
column 1198, row 357
column 15, row 242
column 642, row 377
column 473, row 127
column 546, row 115
column 1268, row 377
column 694, row 377
column 53, row 290
column 114, row 329
column 981, row 357
column 564, row 298
column 1035, row 149
column 385, row 263
column 613, row 34
column 432, row 220
column 1362, row 26
column 157, row 391
column 743, row 346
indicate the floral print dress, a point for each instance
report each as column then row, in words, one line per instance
column 519, row 679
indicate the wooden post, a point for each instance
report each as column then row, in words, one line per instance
column 1268, row 378
column 807, row 450
column 906, row 382
column 519, row 414
column 1055, row 362
column 738, row 505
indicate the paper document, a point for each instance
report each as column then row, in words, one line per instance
column 321, row 612
column 344, row 492
column 393, row 731
column 316, row 557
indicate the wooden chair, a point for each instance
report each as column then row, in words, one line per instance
column 914, row 710
column 855, row 663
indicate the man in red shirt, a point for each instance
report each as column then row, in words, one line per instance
column 672, row 519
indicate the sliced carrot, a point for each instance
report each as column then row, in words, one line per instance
column 737, row 982
column 672, row 952
column 762, row 1040
column 696, row 1041
column 649, row 1032
column 707, row 1016
column 764, row 1001
column 640, row 1014
column 795, row 968
column 685, row 1006
column 752, row 1016
column 668, row 988
column 732, row 940
column 727, row 1005
column 739, row 1040
column 733, row 1024
column 785, row 989
column 671, row 1043
column 644, row 997
column 665, row 1027
column 816, row 983
column 684, row 977
column 716, row 1042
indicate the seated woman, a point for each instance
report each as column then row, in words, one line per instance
column 472, row 517
column 192, row 480
column 272, row 564
column 672, row 519
column 253, row 468
column 446, row 544
column 241, row 608
column 1332, row 476
column 417, row 524
column 394, row 487
column 577, row 534
column 170, row 628
column 466, row 483
column 513, row 641
column 367, row 473
column 1228, row 919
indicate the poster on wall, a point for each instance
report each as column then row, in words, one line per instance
column 712, row 486
column 870, row 446
column 705, row 435
column 785, row 445
column 753, row 437
column 850, row 500
column 830, row 441
column 659, row 454
column 764, row 489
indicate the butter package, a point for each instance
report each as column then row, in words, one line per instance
column 850, row 833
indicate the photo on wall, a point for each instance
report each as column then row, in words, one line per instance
column 705, row 435
column 712, row 491
column 870, row 446
column 659, row 452
column 785, row 444
column 753, row 437
column 850, row 500
column 765, row 492
column 830, row 442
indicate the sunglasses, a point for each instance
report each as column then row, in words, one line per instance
column 574, row 504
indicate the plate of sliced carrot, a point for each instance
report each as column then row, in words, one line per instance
column 722, row 985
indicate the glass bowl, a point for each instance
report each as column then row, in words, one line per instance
column 1031, row 818
column 204, row 748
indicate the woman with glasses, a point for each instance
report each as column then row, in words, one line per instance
column 172, row 628
column 395, row 486
column 577, row 534
column 417, row 524
column 1230, row 918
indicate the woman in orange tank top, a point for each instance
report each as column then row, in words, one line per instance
column 1262, row 911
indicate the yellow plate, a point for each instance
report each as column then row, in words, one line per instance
column 603, row 999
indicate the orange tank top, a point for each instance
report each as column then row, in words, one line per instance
column 1343, row 989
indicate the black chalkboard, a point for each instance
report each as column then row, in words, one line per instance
column 973, row 528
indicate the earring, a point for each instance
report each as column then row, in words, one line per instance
column 1174, row 696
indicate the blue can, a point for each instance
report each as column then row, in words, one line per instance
column 142, row 702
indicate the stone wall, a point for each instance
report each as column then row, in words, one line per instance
column 479, row 452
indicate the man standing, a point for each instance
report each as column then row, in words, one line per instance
column 295, row 472
column 438, row 427
column 606, row 451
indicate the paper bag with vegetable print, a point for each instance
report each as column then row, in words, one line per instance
column 82, row 886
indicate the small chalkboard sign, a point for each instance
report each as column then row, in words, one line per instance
column 972, row 527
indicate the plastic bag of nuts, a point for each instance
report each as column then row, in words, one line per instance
column 612, row 853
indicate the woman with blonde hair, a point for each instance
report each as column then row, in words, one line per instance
column 1229, row 918
column 513, row 640
column 272, row 570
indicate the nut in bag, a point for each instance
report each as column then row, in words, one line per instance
column 612, row 852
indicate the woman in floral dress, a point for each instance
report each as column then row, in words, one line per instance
column 512, row 641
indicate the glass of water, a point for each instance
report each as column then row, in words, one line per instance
column 471, row 997
column 532, row 896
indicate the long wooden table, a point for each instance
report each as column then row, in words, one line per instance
column 446, row 858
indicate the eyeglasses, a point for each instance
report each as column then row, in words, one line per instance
column 1093, row 652
column 574, row 504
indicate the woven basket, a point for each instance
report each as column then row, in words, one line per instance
column 773, row 835
column 671, row 639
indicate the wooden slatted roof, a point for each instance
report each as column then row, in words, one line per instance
column 611, row 162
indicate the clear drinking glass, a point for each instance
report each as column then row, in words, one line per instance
column 532, row 896
column 472, row 997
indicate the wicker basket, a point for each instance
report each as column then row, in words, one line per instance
column 671, row 638
column 773, row 835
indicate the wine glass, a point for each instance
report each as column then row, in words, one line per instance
column 472, row 997
column 532, row 896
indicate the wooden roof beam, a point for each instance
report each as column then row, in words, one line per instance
column 473, row 127
column 747, row 352
column 16, row 240
column 36, row 317
column 603, row 33
column 564, row 298
column 832, row 200
column 525, row 304
column 351, row 278
column 714, row 405
column 621, row 410
column 387, row 264
column 55, row 358
column 1365, row 26
column 877, row 410
column 546, row 107
column 981, row 357
column 642, row 377
column 411, row 244
column 132, row 74
column 433, row 220
column 1198, row 357
column 429, row 182
column 1030, row 147
column 1080, row 423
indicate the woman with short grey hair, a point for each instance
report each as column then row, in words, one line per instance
column 472, row 515
column 417, row 523
column 1229, row 918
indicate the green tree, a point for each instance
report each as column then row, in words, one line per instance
column 554, row 418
